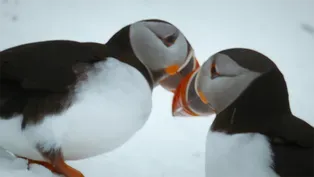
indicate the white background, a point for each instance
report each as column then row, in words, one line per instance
column 168, row 147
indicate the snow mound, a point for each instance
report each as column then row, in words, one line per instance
column 10, row 166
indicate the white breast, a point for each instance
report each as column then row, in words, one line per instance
column 109, row 109
column 245, row 155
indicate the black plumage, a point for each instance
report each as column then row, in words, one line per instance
column 38, row 79
column 264, row 108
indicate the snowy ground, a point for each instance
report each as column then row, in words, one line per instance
column 168, row 147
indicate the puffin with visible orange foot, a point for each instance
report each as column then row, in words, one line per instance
column 254, row 132
column 67, row 100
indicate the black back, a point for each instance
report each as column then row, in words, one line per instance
column 37, row 79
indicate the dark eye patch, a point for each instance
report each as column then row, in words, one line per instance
column 169, row 40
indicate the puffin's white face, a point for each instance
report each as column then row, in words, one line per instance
column 217, row 84
column 161, row 47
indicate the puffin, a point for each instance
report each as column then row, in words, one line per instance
column 254, row 132
column 69, row 100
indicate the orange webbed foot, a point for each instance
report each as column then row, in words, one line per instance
column 45, row 164
column 57, row 164
column 67, row 170
column 55, row 157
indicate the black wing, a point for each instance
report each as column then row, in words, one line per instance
column 36, row 77
column 292, row 129
column 293, row 160
column 291, row 139
column 294, row 155
column 47, row 65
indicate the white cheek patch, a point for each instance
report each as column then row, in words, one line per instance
column 161, row 28
column 227, row 66
column 146, row 46
column 152, row 52
column 179, row 51
column 231, row 81
column 222, row 91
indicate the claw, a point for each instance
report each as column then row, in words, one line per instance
column 59, row 167
column 45, row 164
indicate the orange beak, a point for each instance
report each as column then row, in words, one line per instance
column 180, row 105
column 188, row 101
column 172, row 70
column 177, row 74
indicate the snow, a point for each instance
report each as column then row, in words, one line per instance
column 18, row 168
column 168, row 147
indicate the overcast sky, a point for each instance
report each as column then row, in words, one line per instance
column 167, row 147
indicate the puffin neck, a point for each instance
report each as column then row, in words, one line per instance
column 119, row 47
column 259, row 109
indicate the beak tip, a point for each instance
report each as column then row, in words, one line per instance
column 179, row 111
column 175, row 113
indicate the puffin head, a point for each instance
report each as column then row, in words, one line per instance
column 234, row 78
column 160, row 47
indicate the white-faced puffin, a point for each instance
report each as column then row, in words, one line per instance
column 254, row 133
column 67, row 100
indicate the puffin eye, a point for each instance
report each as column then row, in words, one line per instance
column 213, row 71
column 169, row 40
